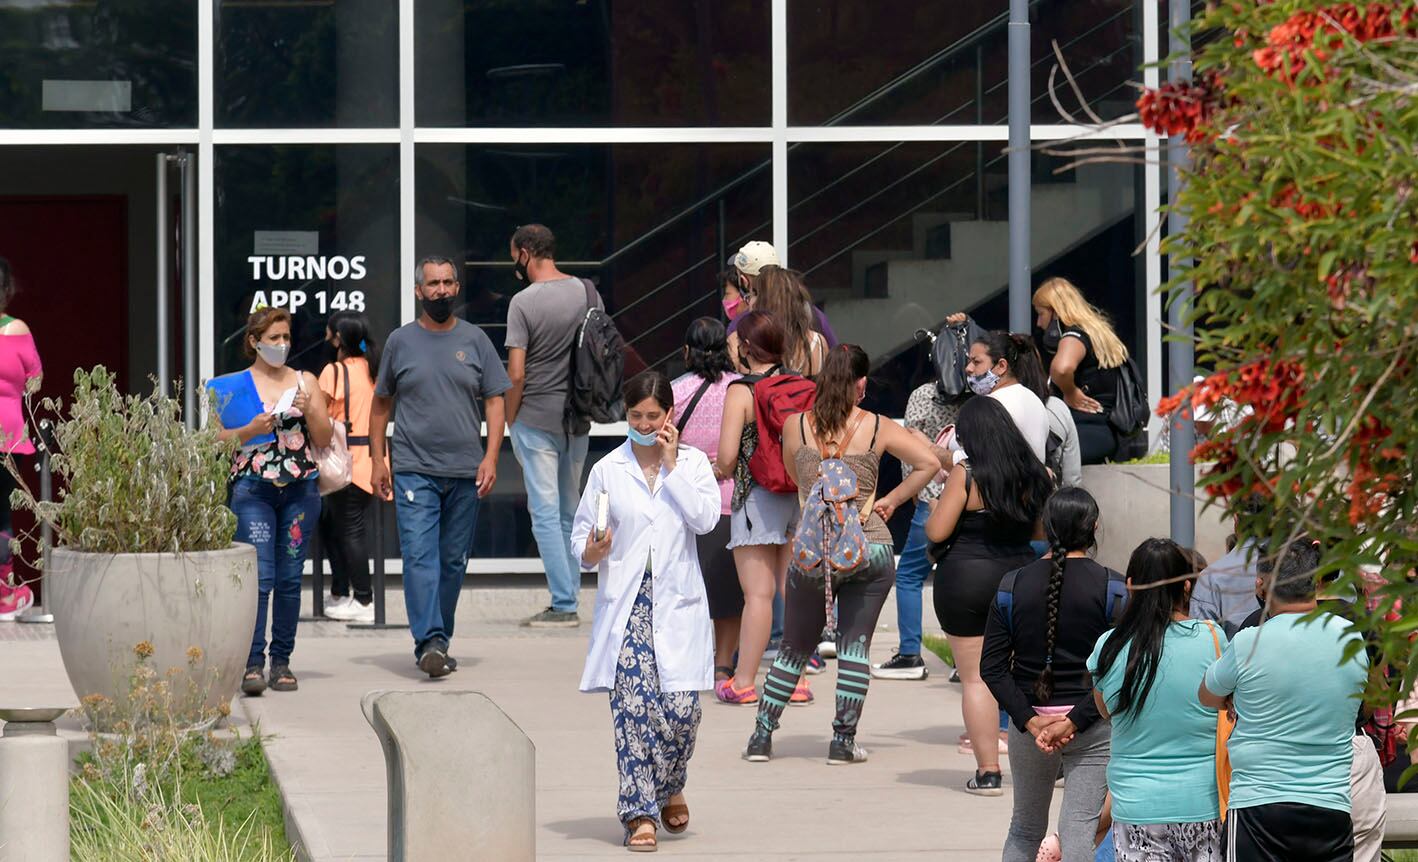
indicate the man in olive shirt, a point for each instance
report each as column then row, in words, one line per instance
column 437, row 370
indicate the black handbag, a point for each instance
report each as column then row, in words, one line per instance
column 1130, row 410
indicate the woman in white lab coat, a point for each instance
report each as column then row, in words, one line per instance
column 652, row 644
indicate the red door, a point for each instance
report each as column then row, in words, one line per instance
column 69, row 256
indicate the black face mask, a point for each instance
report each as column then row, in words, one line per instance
column 519, row 269
column 1052, row 335
column 438, row 310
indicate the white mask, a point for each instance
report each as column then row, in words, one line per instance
column 273, row 354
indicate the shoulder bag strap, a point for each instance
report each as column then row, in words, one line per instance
column 1215, row 641
column 590, row 295
column 349, row 426
column 682, row 421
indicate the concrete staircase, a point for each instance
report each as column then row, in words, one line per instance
column 958, row 262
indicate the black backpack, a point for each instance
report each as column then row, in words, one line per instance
column 1130, row 411
column 597, row 370
column 950, row 350
column 1053, row 457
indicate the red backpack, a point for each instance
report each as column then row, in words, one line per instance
column 775, row 398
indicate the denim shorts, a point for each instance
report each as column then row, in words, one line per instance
column 765, row 519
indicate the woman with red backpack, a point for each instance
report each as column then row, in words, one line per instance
column 764, row 507
column 842, row 549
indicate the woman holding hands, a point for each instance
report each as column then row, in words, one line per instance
column 652, row 644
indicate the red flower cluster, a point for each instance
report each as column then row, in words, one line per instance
column 1290, row 198
column 1375, row 469
column 1288, row 41
column 1176, row 109
column 1270, row 393
column 1345, row 281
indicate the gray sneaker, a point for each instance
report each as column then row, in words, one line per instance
column 553, row 619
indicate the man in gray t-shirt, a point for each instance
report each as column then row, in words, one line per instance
column 542, row 323
column 436, row 370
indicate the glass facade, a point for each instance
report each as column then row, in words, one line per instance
column 642, row 132
column 108, row 64
column 311, row 229
column 307, row 64
column 948, row 62
column 592, row 63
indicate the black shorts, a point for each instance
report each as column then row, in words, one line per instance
column 721, row 577
column 965, row 586
column 1288, row 832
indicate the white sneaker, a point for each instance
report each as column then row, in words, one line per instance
column 338, row 608
column 827, row 649
column 360, row 613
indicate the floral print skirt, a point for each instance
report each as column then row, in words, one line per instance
column 654, row 730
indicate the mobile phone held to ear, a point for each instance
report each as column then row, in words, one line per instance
column 603, row 511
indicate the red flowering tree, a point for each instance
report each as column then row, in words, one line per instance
column 1303, row 242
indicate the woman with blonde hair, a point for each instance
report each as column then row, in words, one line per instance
column 775, row 292
column 1085, row 358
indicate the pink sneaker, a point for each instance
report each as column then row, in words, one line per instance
column 802, row 696
column 1050, row 850
column 14, row 601
column 726, row 693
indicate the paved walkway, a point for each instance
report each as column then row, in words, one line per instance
column 906, row 803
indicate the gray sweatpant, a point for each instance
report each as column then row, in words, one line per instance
column 1084, row 763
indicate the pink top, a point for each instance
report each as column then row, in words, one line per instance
column 704, row 422
column 19, row 361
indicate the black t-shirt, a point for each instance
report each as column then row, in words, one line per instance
column 1100, row 384
column 1014, row 652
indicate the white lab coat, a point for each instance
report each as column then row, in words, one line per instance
column 664, row 524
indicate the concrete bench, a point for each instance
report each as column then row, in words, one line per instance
column 462, row 777
column 1401, row 821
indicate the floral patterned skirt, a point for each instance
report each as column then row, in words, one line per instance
column 654, row 730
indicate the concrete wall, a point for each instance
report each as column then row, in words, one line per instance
column 1136, row 505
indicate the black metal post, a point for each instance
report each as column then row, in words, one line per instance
column 979, row 121
column 381, row 618
column 317, row 578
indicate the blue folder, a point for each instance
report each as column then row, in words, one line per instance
column 238, row 403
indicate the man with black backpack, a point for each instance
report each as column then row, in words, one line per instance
column 550, row 404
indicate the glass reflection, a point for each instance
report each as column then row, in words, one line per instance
column 102, row 64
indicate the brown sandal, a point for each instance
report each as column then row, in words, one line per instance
column 676, row 811
column 632, row 833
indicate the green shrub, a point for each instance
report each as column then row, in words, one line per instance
column 133, row 478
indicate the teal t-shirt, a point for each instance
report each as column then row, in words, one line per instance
column 1295, row 707
column 1163, row 763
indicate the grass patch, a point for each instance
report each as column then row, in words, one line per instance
column 1400, row 856
column 212, row 799
column 941, row 647
column 1154, row 458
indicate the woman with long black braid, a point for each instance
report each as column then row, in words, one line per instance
column 837, row 428
column 989, row 511
column 1043, row 624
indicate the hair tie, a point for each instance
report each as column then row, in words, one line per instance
column 363, row 347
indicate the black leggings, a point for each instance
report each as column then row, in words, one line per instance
column 342, row 537
column 859, row 603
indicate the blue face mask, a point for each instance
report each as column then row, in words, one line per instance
column 642, row 439
column 984, row 384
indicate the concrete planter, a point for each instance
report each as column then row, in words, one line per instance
column 105, row 604
column 1135, row 505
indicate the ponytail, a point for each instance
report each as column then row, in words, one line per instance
column 837, row 388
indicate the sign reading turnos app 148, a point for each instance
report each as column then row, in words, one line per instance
column 294, row 256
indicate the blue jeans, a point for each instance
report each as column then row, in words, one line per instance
column 278, row 521
column 911, row 574
column 436, row 516
column 551, row 471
